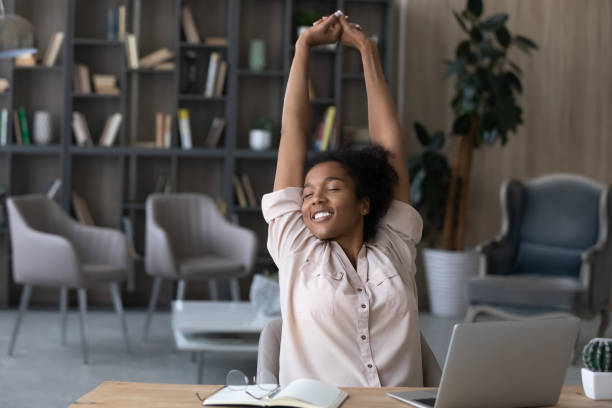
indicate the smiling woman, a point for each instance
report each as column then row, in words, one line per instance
column 343, row 235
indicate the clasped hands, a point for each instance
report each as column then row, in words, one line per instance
column 333, row 28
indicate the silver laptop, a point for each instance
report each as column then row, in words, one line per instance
column 502, row 365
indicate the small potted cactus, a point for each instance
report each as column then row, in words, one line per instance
column 597, row 376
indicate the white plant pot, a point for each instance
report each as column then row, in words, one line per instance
column 447, row 274
column 260, row 139
column 597, row 385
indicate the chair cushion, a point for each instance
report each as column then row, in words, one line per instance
column 537, row 259
column 95, row 273
column 529, row 291
column 210, row 267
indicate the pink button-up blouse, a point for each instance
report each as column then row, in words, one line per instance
column 341, row 325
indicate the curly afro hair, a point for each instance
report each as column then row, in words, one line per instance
column 374, row 177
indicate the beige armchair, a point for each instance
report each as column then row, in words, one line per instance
column 269, row 350
column 187, row 239
column 52, row 249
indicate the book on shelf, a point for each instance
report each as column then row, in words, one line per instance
column 325, row 129
column 4, row 127
column 128, row 230
column 25, row 60
column 220, row 80
column 165, row 66
column 185, row 129
column 156, row 58
column 116, row 23
column 163, row 184
column 239, row 190
column 248, row 189
column 81, row 129
column 211, row 76
column 167, row 134
column 111, row 129
column 189, row 28
column 81, row 210
column 131, row 49
column 4, row 84
column 105, row 84
column 214, row 133
column 216, row 41
column 81, row 78
column 122, row 22
column 23, row 124
column 302, row 393
column 53, row 189
column 159, row 129
column 52, row 52
column 17, row 128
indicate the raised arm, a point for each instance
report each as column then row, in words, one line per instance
column 296, row 120
column 382, row 115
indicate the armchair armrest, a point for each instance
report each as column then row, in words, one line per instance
column 497, row 256
column 44, row 259
column 159, row 257
column 236, row 243
column 99, row 245
column 596, row 274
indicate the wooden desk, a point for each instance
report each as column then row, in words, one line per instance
column 114, row 394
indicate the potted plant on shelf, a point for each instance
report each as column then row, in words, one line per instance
column 485, row 111
column 597, row 376
column 260, row 135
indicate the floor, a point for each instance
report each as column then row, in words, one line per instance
column 42, row 372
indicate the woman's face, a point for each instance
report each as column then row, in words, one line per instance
column 330, row 207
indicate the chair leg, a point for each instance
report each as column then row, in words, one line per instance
column 603, row 324
column 63, row 312
column 212, row 289
column 180, row 290
column 154, row 295
column 82, row 319
column 116, row 294
column 235, row 289
column 23, row 305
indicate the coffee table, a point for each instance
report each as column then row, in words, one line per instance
column 219, row 326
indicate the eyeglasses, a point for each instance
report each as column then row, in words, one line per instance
column 236, row 380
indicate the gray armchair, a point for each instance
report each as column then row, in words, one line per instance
column 52, row 249
column 269, row 349
column 554, row 253
column 187, row 239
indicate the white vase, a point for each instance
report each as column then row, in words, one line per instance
column 42, row 128
column 447, row 274
column 597, row 385
column 260, row 139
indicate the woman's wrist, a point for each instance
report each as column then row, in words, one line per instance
column 302, row 42
column 367, row 45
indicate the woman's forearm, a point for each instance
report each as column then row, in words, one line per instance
column 295, row 122
column 382, row 115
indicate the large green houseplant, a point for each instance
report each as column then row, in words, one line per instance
column 485, row 111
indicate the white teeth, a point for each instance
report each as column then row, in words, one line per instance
column 321, row 215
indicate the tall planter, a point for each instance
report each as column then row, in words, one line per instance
column 447, row 274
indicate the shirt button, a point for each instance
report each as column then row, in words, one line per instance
column 363, row 306
column 363, row 337
column 369, row 365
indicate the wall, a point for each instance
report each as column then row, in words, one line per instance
column 566, row 100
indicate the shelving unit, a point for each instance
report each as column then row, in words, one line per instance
column 116, row 180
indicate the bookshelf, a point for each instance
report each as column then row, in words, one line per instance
column 116, row 180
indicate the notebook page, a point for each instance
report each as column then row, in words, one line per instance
column 313, row 392
column 225, row 396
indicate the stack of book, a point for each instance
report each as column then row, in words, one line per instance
column 215, row 131
column 105, row 84
column 243, row 189
column 20, row 126
column 159, row 59
column 115, row 24
column 215, row 78
column 327, row 131
column 131, row 50
column 81, row 129
column 163, row 130
column 109, row 133
column 52, row 52
column 192, row 36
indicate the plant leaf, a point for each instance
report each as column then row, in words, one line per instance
column 416, row 184
column 516, row 68
column 495, row 22
column 463, row 49
column 461, row 125
column 461, row 22
column 514, row 81
column 455, row 67
column 503, row 36
column 475, row 7
column 437, row 140
column 476, row 35
column 422, row 134
column 524, row 43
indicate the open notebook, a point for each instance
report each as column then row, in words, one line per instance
column 304, row 393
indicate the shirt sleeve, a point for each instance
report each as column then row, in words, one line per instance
column 287, row 232
column 400, row 231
